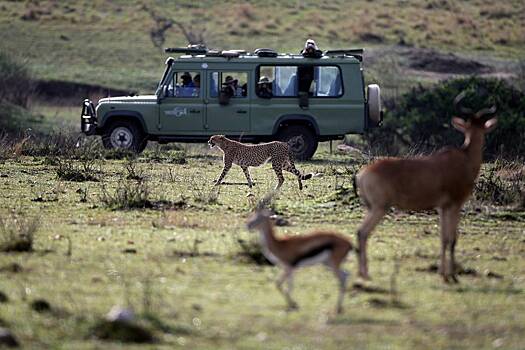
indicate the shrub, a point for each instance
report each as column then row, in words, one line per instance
column 127, row 195
column 17, row 233
column 502, row 183
column 16, row 83
column 420, row 120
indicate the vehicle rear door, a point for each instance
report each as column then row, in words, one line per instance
column 234, row 117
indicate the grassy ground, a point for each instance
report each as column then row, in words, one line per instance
column 181, row 266
column 108, row 42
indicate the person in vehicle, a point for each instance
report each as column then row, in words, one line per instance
column 231, row 87
column 264, row 87
column 186, row 80
column 185, row 89
column 197, row 85
column 305, row 76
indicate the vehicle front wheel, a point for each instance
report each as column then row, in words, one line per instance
column 302, row 141
column 124, row 135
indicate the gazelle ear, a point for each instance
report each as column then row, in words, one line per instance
column 490, row 124
column 459, row 124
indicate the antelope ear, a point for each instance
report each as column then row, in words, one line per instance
column 490, row 124
column 459, row 124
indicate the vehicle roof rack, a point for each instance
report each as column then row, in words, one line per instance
column 265, row 52
column 357, row 53
column 187, row 50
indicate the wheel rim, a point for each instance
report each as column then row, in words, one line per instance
column 121, row 137
column 297, row 144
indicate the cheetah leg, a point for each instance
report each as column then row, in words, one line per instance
column 290, row 167
column 227, row 167
column 248, row 177
column 279, row 172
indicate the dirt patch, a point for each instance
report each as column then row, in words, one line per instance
column 433, row 61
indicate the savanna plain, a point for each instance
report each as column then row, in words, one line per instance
column 182, row 264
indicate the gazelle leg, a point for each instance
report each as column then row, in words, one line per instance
column 287, row 276
column 443, row 219
column 342, row 276
column 292, row 305
column 452, row 230
column 372, row 218
column 449, row 222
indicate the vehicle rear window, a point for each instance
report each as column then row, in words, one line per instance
column 288, row 81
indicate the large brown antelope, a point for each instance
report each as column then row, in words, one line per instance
column 293, row 252
column 443, row 180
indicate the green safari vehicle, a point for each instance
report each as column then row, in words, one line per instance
column 251, row 97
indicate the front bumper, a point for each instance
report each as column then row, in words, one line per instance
column 88, row 118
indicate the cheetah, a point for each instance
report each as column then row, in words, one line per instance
column 246, row 155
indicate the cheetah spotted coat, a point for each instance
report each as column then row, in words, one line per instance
column 246, row 155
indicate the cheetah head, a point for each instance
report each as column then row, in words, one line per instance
column 216, row 140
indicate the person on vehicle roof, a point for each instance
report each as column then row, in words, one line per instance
column 311, row 50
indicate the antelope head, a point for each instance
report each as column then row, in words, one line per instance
column 475, row 122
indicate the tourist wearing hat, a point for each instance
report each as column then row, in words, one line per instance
column 264, row 87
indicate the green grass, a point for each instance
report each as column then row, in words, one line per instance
column 213, row 300
column 108, row 43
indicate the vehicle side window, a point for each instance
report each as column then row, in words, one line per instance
column 234, row 84
column 327, row 81
column 185, row 84
column 288, row 81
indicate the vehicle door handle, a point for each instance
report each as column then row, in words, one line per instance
column 242, row 111
column 194, row 111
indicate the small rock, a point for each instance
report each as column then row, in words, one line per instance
column 8, row 339
column 101, row 239
column 118, row 313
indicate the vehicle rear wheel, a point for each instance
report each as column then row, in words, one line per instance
column 301, row 139
column 124, row 135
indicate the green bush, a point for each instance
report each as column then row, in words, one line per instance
column 16, row 83
column 420, row 120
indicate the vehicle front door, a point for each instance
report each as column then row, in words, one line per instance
column 234, row 116
column 182, row 109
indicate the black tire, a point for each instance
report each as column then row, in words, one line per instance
column 301, row 139
column 124, row 135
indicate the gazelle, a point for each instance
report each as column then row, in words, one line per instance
column 443, row 180
column 291, row 253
